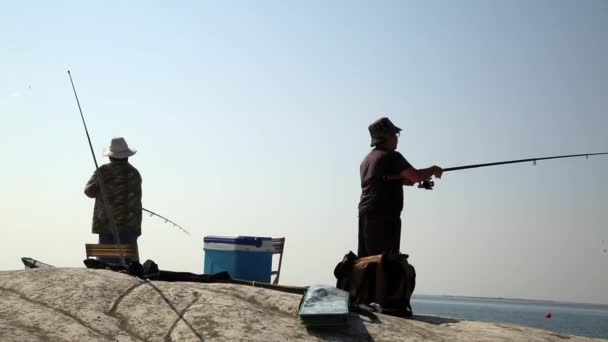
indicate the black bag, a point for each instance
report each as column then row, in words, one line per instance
column 384, row 280
column 150, row 270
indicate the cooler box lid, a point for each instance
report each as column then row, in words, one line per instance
column 242, row 243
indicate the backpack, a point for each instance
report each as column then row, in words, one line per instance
column 385, row 280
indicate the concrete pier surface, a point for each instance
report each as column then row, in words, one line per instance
column 78, row 304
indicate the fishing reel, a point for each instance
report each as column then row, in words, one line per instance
column 426, row 184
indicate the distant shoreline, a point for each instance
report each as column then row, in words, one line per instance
column 512, row 299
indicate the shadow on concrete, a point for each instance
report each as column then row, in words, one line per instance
column 353, row 330
column 433, row 319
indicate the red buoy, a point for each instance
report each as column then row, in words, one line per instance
column 548, row 315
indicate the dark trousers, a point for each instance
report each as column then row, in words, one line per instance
column 126, row 238
column 379, row 234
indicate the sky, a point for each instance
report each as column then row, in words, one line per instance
column 250, row 118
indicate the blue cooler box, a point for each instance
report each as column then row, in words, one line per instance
column 244, row 257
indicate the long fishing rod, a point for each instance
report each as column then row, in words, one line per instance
column 428, row 184
column 104, row 198
column 533, row 160
column 101, row 181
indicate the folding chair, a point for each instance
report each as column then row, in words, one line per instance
column 278, row 245
column 112, row 251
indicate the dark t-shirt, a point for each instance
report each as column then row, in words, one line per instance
column 380, row 197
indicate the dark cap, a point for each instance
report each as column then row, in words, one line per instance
column 381, row 129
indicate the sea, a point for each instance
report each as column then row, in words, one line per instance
column 590, row 320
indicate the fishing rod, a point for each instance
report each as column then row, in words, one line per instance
column 429, row 184
column 116, row 238
column 104, row 198
column 166, row 220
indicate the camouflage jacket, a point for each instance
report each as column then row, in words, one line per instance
column 122, row 187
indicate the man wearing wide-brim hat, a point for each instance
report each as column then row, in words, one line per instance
column 384, row 172
column 122, row 187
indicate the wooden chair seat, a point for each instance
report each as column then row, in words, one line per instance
column 112, row 251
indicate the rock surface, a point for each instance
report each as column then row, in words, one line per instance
column 77, row 304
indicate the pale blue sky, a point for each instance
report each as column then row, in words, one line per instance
column 251, row 119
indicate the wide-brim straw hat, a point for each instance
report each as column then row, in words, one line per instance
column 119, row 149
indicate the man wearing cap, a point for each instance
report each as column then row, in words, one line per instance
column 122, row 187
column 381, row 199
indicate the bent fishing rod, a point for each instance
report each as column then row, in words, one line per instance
column 101, row 187
column 429, row 184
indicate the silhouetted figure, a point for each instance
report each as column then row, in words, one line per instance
column 122, row 187
column 381, row 200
